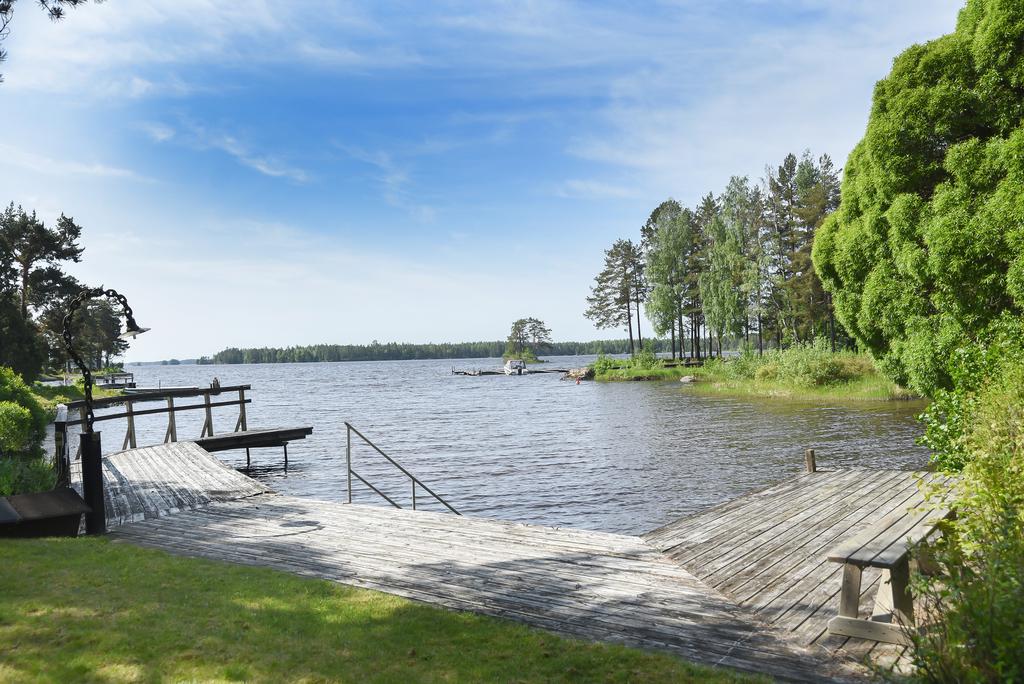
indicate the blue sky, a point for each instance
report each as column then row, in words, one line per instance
column 276, row 173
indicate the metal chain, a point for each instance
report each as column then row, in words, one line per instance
column 76, row 303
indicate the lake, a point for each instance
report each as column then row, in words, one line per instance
column 617, row 457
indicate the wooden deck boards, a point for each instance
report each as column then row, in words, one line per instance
column 768, row 551
column 156, row 481
column 586, row 584
column 746, row 584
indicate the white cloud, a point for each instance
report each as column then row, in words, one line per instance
column 38, row 163
column 577, row 188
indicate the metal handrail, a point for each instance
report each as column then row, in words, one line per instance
column 349, row 429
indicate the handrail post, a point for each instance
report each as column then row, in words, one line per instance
column 348, row 458
column 208, row 425
column 129, row 437
column 241, row 411
column 172, row 426
column 413, row 494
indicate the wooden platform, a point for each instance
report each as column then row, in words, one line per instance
column 253, row 439
column 591, row 585
column 768, row 551
column 152, row 482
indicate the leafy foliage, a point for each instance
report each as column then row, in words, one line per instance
column 528, row 337
column 25, row 476
column 14, row 390
column 807, row 364
column 15, row 428
column 927, row 248
column 617, row 289
column 980, row 596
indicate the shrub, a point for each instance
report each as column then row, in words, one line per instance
column 604, row 364
column 24, row 476
column 645, row 358
column 15, row 429
column 767, row 371
column 980, row 598
column 13, row 389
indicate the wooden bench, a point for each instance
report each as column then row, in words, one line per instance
column 886, row 545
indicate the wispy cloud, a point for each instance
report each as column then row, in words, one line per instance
column 39, row 163
column 199, row 137
column 394, row 181
column 577, row 188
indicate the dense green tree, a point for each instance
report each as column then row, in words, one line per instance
column 528, row 335
column 32, row 253
column 926, row 250
column 666, row 238
column 617, row 288
column 21, row 347
column 721, row 283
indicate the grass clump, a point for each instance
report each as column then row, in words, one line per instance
column 91, row 610
column 804, row 371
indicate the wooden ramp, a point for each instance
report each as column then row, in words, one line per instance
column 590, row 585
column 155, row 481
column 767, row 551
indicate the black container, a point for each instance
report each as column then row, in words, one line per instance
column 57, row 513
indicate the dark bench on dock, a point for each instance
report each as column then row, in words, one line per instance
column 887, row 545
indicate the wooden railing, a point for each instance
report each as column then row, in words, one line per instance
column 130, row 413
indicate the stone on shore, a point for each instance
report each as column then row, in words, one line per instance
column 688, row 378
column 585, row 373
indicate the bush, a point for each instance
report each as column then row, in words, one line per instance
column 646, row 358
column 604, row 364
column 980, row 598
column 13, row 389
column 811, row 364
column 24, row 476
column 15, row 429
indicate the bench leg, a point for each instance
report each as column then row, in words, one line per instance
column 849, row 597
column 902, row 601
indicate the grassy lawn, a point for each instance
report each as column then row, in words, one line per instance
column 87, row 610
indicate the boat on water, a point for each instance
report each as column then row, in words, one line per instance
column 515, row 367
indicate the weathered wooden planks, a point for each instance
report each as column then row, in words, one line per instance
column 587, row 584
column 769, row 551
column 159, row 480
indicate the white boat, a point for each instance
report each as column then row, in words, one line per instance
column 515, row 367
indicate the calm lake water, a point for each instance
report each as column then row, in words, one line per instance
column 618, row 457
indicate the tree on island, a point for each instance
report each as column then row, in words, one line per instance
column 528, row 338
column 926, row 252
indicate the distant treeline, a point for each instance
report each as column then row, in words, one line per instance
column 397, row 351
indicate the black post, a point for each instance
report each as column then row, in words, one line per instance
column 92, row 483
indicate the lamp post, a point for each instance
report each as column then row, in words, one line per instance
column 92, row 458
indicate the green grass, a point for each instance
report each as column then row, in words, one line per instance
column 657, row 373
column 87, row 610
column 49, row 396
column 870, row 387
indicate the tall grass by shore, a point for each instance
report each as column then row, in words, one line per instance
column 809, row 371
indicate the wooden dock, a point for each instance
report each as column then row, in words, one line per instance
column 768, row 551
column 746, row 584
column 590, row 585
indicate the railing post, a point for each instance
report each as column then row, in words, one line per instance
column 129, row 437
column 809, row 461
column 60, row 447
column 208, row 425
column 241, row 410
column 172, row 426
column 348, row 458
column 414, row 495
